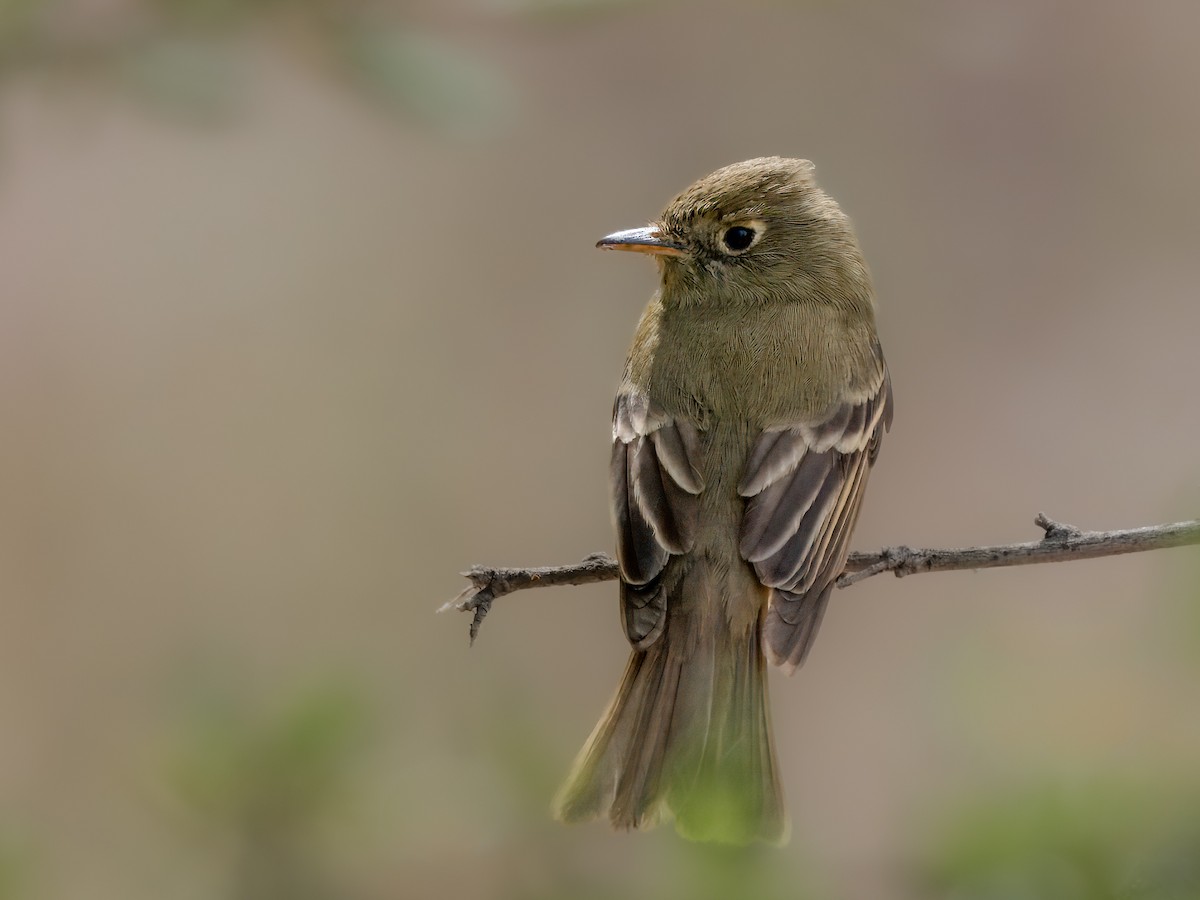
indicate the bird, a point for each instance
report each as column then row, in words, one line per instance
column 749, row 415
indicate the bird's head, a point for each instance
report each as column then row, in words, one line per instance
column 759, row 231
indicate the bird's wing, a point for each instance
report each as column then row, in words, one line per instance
column 655, row 482
column 803, row 486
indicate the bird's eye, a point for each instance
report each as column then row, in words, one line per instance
column 738, row 238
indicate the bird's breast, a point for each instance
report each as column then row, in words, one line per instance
column 763, row 365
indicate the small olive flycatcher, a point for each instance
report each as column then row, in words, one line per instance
column 751, row 410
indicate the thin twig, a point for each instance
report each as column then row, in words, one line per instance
column 1059, row 543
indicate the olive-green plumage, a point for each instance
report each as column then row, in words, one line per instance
column 751, row 409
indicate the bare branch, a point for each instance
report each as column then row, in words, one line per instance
column 487, row 584
column 1059, row 543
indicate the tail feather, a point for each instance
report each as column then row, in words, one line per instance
column 687, row 736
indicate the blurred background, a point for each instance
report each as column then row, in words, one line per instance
column 300, row 316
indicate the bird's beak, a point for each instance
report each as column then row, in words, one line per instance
column 642, row 240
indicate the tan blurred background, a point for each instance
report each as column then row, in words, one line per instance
column 300, row 316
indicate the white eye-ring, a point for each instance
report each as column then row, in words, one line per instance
column 737, row 239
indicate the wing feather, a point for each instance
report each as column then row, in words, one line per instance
column 655, row 483
column 641, row 556
column 804, row 486
column 773, row 455
column 780, row 568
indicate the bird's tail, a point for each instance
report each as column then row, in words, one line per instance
column 688, row 736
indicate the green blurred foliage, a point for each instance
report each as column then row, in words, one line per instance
column 1183, row 595
column 188, row 75
column 567, row 9
column 715, row 872
column 190, row 57
column 1102, row 841
column 422, row 75
column 15, row 868
column 222, row 13
column 266, row 785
